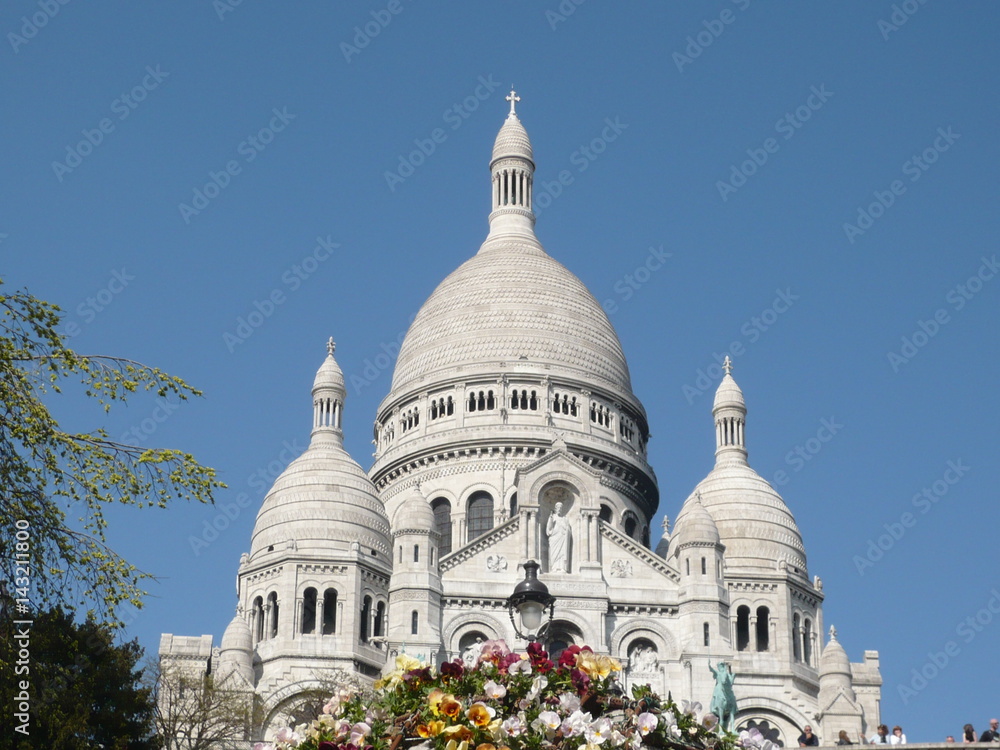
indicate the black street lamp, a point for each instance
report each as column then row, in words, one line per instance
column 530, row 599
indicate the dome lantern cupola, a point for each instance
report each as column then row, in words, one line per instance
column 329, row 391
column 512, row 168
column 730, row 413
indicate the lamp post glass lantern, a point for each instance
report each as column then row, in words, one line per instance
column 530, row 599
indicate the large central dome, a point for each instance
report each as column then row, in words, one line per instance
column 512, row 302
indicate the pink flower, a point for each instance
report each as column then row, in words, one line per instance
column 494, row 691
column 515, row 726
column 358, row 732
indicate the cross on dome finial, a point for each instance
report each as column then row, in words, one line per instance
column 513, row 98
column 727, row 365
column 330, row 346
column 833, row 633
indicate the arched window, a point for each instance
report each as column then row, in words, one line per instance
column 796, row 638
column 379, row 625
column 763, row 625
column 513, row 505
column 630, row 525
column 442, row 522
column 416, row 553
column 807, row 641
column 329, row 612
column 258, row 619
column 309, row 610
column 704, row 570
column 401, row 553
column 706, row 634
column 742, row 628
column 479, row 516
column 414, row 622
column 366, row 616
column 605, row 514
column 645, row 536
column 687, row 562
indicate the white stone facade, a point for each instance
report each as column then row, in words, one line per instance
column 512, row 394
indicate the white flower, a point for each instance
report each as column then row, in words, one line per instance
column 616, row 738
column 598, row 731
column 358, row 732
column 494, row 691
column 569, row 702
column 575, row 724
column 548, row 722
column 515, row 726
column 288, row 736
column 537, row 686
column 520, row 666
column 646, row 722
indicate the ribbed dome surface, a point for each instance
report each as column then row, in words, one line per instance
column 728, row 393
column 512, row 140
column 323, row 501
column 834, row 659
column 237, row 636
column 414, row 513
column 694, row 524
column 754, row 523
column 329, row 375
column 510, row 302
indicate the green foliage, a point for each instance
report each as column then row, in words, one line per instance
column 85, row 691
column 47, row 473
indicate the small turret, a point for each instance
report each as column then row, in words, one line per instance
column 512, row 168
column 730, row 413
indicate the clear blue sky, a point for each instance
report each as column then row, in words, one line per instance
column 839, row 110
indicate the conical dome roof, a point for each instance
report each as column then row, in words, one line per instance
column 413, row 513
column 512, row 141
column 329, row 375
column 694, row 524
column 237, row 636
column 728, row 394
column 834, row 659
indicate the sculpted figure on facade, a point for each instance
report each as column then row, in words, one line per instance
column 558, row 531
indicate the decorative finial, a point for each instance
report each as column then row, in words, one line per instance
column 666, row 524
column 727, row 365
column 833, row 633
column 331, row 347
column 513, row 98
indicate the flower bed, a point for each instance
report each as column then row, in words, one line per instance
column 507, row 701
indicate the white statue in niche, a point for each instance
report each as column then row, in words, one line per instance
column 643, row 659
column 558, row 531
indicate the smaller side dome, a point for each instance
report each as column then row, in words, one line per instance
column 834, row 660
column 329, row 374
column 694, row 524
column 236, row 651
column 413, row 514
